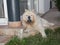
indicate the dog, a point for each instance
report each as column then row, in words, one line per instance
column 31, row 21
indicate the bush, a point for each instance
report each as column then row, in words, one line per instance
column 14, row 41
column 58, row 4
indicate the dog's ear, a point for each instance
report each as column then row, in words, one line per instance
column 26, row 10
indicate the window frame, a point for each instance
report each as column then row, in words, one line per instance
column 4, row 21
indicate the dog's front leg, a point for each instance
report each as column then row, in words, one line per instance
column 26, row 30
column 42, row 31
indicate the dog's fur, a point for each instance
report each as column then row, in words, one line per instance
column 36, row 22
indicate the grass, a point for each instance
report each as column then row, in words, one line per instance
column 53, row 38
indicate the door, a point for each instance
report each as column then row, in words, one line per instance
column 3, row 13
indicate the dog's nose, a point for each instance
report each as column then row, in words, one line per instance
column 28, row 17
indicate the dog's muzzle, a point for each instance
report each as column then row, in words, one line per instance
column 29, row 19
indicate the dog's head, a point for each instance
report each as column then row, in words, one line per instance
column 29, row 16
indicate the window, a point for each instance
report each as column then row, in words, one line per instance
column 3, row 13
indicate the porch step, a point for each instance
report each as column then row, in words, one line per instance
column 6, row 33
column 4, row 39
column 5, row 30
column 2, row 43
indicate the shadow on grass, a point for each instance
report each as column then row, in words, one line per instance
column 53, row 38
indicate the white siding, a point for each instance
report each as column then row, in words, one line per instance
column 40, row 6
column 44, row 6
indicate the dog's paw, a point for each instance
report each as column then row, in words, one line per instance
column 44, row 36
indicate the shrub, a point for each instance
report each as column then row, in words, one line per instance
column 57, row 4
column 14, row 41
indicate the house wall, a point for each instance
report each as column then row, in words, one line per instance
column 36, row 5
column 40, row 6
column 44, row 6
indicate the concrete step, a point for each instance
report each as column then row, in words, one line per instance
column 2, row 43
column 6, row 33
column 4, row 39
column 5, row 30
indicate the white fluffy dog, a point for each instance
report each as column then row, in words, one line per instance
column 31, row 21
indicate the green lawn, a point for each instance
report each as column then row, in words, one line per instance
column 53, row 38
